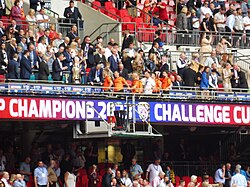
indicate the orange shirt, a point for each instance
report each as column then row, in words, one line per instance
column 137, row 86
column 118, row 84
column 107, row 82
column 166, row 82
column 157, row 86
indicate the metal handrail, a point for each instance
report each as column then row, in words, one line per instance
column 54, row 13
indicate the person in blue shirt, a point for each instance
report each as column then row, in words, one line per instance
column 205, row 81
column 19, row 182
column 41, row 175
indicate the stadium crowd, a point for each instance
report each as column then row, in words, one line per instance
column 73, row 166
column 39, row 52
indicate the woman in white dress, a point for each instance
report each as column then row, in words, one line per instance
column 125, row 180
column 69, row 179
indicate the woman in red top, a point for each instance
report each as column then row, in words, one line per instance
column 16, row 12
column 163, row 15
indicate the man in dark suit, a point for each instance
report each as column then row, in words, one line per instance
column 13, row 67
column 127, row 40
column 123, row 72
column 43, row 71
column 235, row 77
column 72, row 12
column 242, row 80
column 100, row 56
column 189, row 77
column 96, row 75
column 11, row 48
column 113, row 60
column 25, row 66
column 89, row 50
column 72, row 34
column 177, row 84
column 65, row 43
column 164, row 65
column 154, row 50
column 57, row 67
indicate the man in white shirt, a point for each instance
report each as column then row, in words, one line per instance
column 153, row 170
column 219, row 20
column 204, row 10
column 238, row 179
column 181, row 64
column 238, row 26
column 159, row 180
column 246, row 22
column 230, row 23
column 42, row 19
column 108, row 49
column 148, row 84
column 5, row 179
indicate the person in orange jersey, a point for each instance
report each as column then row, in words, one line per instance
column 107, row 80
column 166, row 82
column 137, row 86
column 158, row 83
column 119, row 82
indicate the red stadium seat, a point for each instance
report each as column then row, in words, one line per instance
column 84, row 181
column 199, row 179
column 100, row 181
column 123, row 12
column 108, row 5
column 96, row 5
column 112, row 13
column 211, row 180
column 187, row 180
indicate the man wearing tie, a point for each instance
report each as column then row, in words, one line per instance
column 25, row 66
column 177, row 84
column 113, row 60
column 72, row 12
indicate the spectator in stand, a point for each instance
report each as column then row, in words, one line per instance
column 43, row 71
column 42, row 19
column 235, row 77
column 23, row 44
column 2, row 29
column 11, row 48
column 246, row 22
column 163, row 15
column 46, row 36
column 164, row 64
column 228, row 175
column 25, row 169
column 219, row 20
column 193, row 182
column 52, row 178
column 25, row 66
column 182, row 26
column 219, row 176
column 106, row 178
column 37, row 4
column 148, row 83
column 114, row 60
column 72, row 34
column 107, row 83
column 158, row 83
column 119, row 82
column 242, row 80
column 238, row 179
column 52, row 33
column 211, row 59
column 108, row 49
column 178, row 83
column 153, row 171
column 69, row 177
column 146, row 9
column 166, row 83
column 213, row 80
column 65, row 42
column 57, row 67
column 16, row 12
column 131, row 6
column 123, row 72
column 135, row 169
column 155, row 13
column 189, row 76
column 244, row 7
column 2, row 8
column 12, row 68
column 207, row 24
column 93, row 177
column 127, row 40
column 230, row 10
column 238, row 27
column 205, row 10
column 221, row 47
column 181, row 64
column 180, row 5
column 42, row 47
column 154, row 50
column 125, row 180
column 227, row 75
column 205, row 82
column 19, row 182
column 41, row 175
column 31, row 19
column 5, row 179
column 33, row 55
column 230, row 23
column 96, row 75
column 3, row 57
column 89, row 50
column 100, row 57
column 206, row 47
column 72, row 13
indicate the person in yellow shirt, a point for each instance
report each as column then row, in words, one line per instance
column 137, row 86
column 119, row 82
